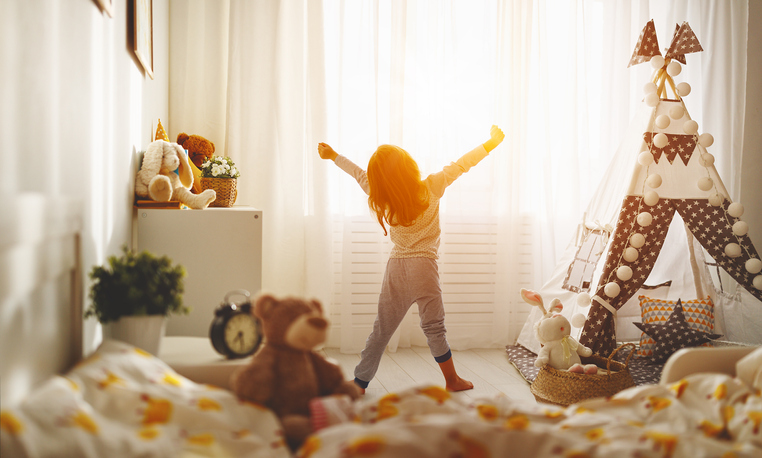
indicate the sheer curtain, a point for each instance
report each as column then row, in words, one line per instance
column 432, row 77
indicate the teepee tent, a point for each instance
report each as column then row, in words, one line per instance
column 660, row 218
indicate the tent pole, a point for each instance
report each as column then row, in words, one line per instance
column 694, row 264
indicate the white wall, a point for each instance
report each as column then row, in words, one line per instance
column 75, row 106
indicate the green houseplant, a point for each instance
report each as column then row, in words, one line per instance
column 136, row 290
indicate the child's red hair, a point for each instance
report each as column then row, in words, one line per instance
column 397, row 195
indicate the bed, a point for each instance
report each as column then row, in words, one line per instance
column 121, row 401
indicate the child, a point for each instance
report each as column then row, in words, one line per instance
column 410, row 207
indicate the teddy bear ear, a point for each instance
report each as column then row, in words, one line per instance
column 182, row 137
column 317, row 305
column 264, row 307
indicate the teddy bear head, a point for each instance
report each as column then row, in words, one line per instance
column 292, row 322
column 199, row 148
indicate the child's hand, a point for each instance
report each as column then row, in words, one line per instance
column 496, row 137
column 326, row 152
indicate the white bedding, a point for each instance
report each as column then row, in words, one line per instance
column 122, row 401
column 702, row 415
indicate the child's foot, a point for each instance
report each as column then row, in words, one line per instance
column 459, row 384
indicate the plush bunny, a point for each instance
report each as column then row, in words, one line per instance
column 166, row 175
column 560, row 350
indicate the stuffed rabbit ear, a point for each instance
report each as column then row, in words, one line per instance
column 184, row 170
column 149, row 167
column 531, row 297
column 555, row 306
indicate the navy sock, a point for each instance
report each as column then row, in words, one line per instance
column 361, row 383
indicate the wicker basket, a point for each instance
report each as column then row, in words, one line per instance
column 564, row 388
column 225, row 189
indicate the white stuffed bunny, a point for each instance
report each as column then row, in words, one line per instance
column 560, row 350
column 166, row 175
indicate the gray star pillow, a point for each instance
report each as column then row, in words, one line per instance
column 673, row 334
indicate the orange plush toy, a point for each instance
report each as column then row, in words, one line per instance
column 199, row 150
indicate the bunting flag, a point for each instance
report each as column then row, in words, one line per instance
column 684, row 42
column 647, row 47
column 679, row 145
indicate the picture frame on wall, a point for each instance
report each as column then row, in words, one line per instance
column 143, row 15
column 106, row 6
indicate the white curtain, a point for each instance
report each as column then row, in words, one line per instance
column 432, row 77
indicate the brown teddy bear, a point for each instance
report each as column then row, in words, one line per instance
column 286, row 374
column 199, row 150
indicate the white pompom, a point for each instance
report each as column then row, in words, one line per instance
column 637, row 240
column 753, row 266
column 757, row 282
column 662, row 121
column 676, row 112
column 735, row 210
column 715, row 200
column 630, row 254
column 706, row 140
column 733, row 250
column 654, row 180
column 683, row 89
column 657, row 62
column 651, row 198
column 578, row 320
column 611, row 289
column 645, row 219
column 661, row 140
column 649, row 88
column 705, row 183
column 645, row 158
column 584, row 300
column 706, row 159
column 740, row 228
column 624, row 273
column 690, row 127
column 674, row 68
column 652, row 99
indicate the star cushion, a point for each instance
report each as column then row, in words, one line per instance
column 673, row 335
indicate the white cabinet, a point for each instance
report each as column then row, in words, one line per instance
column 220, row 248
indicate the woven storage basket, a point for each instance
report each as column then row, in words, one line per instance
column 565, row 388
column 225, row 189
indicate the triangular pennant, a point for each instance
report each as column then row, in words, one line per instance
column 647, row 46
column 677, row 145
column 684, row 42
column 680, row 57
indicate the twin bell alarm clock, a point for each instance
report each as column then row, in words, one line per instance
column 235, row 331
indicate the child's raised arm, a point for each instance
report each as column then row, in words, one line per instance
column 326, row 152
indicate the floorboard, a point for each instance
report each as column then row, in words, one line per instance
column 488, row 369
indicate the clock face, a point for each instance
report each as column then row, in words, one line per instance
column 241, row 333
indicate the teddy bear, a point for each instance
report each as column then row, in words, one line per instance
column 199, row 150
column 559, row 349
column 286, row 374
column 165, row 175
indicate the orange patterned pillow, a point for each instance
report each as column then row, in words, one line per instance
column 699, row 313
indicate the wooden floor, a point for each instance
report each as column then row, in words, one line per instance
column 488, row 369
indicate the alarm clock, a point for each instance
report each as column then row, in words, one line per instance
column 235, row 332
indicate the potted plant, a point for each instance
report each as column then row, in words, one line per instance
column 134, row 294
column 220, row 173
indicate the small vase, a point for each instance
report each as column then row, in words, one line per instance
column 144, row 332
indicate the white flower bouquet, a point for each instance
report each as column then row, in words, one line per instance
column 219, row 167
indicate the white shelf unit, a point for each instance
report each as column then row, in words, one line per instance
column 220, row 248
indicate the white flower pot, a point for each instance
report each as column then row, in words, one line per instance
column 144, row 332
